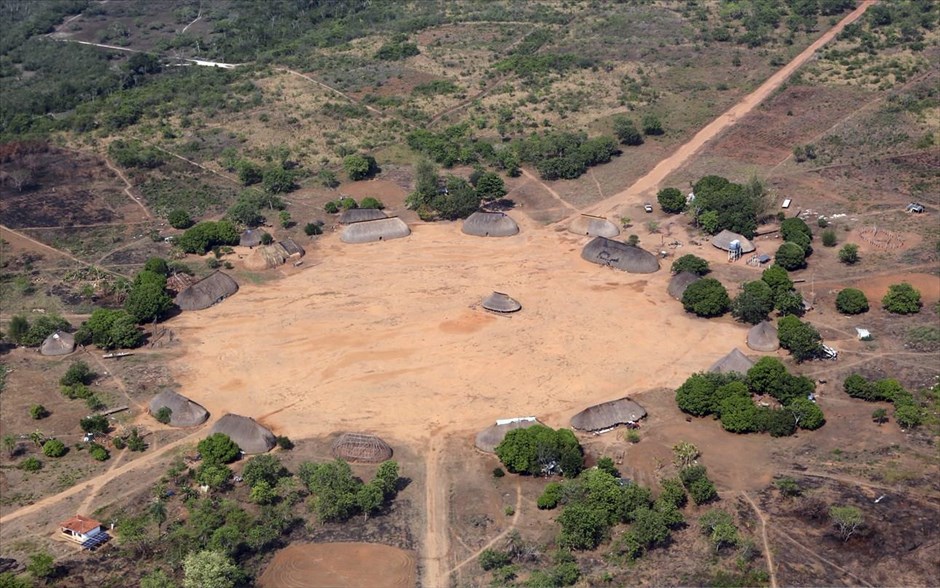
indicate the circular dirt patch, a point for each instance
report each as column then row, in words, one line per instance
column 340, row 565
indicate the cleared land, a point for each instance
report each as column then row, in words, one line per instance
column 340, row 565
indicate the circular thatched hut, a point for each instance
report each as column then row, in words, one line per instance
column 593, row 226
column 490, row 437
column 361, row 447
column 724, row 239
column 679, row 282
column 499, row 302
column 58, row 343
column 608, row 415
column 604, row 251
column 251, row 238
column 208, row 291
column 381, row 229
column 763, row 337
column 358, row 215
column 490, row 224
column 183, row 411
column 735, row 361
column 246, row 432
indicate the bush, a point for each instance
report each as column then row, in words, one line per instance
column 790, row 256
column 206, row 235
column 135, row 442
column 851, row 301
column 370, row 202
column 38, row 412
column 179, row 219
column 908, row 415
column 218, row 448
column 491, row 559
column 551, row 496
column 331, row 207
column 98, row 452
column 266, row 238
column 110, row 329
column 652, row 125
column 829, row 238
column 902, row 299
column 30, row 464
column 78, row 373
column 534, row 449
column 54, row 448
column 95, row 424
column 498, row 472
column 690, row 263
column 311, row 229
column 359, row 167
column 626, row 131
column 284, row 442
column 41, row 328
column 706, row 298
column 849, row 254
column 164, row 415
column 671, row 200
column 700, row 488
column 118, row 443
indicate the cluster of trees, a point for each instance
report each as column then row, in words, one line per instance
column 457, row 198
column 110, row 329
column 541, row 450
column 800, row 338
column 336, row 494
column 504, row 564
column 346, row 203
column 773, row 291
column 248, row 210
column 132, row 153
column 359, row 167
column 729, row 397
column 397, row 48
column 797, row 245
column 31, row 334
column 208, row 234
column 907, row 412
column 456, row 145
column 720, row 204
column 565, row 155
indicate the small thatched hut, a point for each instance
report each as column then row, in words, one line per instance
column 763, row 337
column 248, row 434
column 490, row 224
column 490, row 437
column 251, row 238
column 382, row 229
column 604, row 251
column 735, row 361
column 724, row 239
column 361, row 447
column 274, row 255
column 593, row 226
column 207, row 291
column 183, row 411
column 499, row 302
column 358, row 215
column 58, row 343
column 608, row 415
column 680, row 282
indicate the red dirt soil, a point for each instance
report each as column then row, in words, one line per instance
column 340, row 565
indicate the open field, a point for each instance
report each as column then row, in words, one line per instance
column 340, row 565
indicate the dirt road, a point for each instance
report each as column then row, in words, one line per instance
column 763, row 532
column 436, row 538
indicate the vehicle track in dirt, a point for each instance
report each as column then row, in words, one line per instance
column 763, row 531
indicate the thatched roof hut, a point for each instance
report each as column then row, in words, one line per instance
column 680, row 282
column 490, row 437
column 58, row 343
column 183, row 411
column 763, row 337
column 251, row 238
column 735, row 361
column 593, row 226
column 604, row 251
column 274, row 255
column 499, row 302
column 608, row 415
column 358, row 215
column 206, row 292
column 248, row 434
column 361, row 447
column 490, row 224
column 723, row 241
column 382, row 229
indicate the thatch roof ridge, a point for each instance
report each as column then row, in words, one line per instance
column 208, row 291
column 361, row 447
column 58, row 343
column 490, row 437
column 608, row 414
column 183, row 411
column 593, row 226
column 250, row 436
column 358, row 215
column 723, row 241
column 607, row 252
column 490, row 224
column 763, row 337
column 501, row 302
column 734, row 361
column 381, row 229
column 679, row 282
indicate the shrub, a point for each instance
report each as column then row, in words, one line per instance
column 95, row 424
column 626, row 131
column 218, row 448
column 851, row 301
column 370, row 202
column 179, row 219
column 208, row 234
column 54, row 448
column 164, row 415
column 652, row 125
column 38, row 411
column 284, row 442
column 30, row 464
column 801, row 339
column 78, row 373
column 695, row 479
column 671, row 200
column 902, row 299
column 492, row 558
column 790, row 256
column 829, row 238
column 135, row 442
column 311, row 229
column 551, row 496
column 498, row 472
column 331, row 207
column 706, row 298
column 690, row 263
column 359, row 167
column 908, row 415
column 118, row 443
column 849, row 254
column 98, row 452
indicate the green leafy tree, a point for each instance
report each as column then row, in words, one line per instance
column 327, row 179
column 98, row 452
column 829, row 238
column 41, row 566
column 902, row 299
column 386, row 477
column 214, row 475
column 847, row 520
column 908, row 415
column 532, row 449
column 164, row 415
column 700, row 488
column 371, row 203
column 148, row 300
column 157, row 265
column 246, row 212
column 157, row 579
column 857, row 386
column 671, row 200
column 218, row 448
column 54, row 448
column 249, row 173
column 650, row 527
column 426, row 184
column 673, row 492
column 706, row 298
column 334, row 489
column 753, row 303
column 262, row 493
column 807, row 413
column 277, row 180
column 17, row 329
column 739, row 414
column 849, row 254
column 30, row 464
column 179, row 219
column 263, row 468
column 95, row 424
column 652, row 125
column 78, row 373
column 460, row 200
column 791, row 228
column 582, row 527
column 551, row 496
column 801, row 339
column 695, row 395
column 110, row 329
column 359, row 167
column 210, row 569
column 790, row 256
column 208, row 234
column 369, row 499
column 777, row 278
column 851, row 301
column 626, row 131
column 311, row 229
column 690, row 263
column 491, row 559
column 42, row 327
column 490, row 186
column 880, row 416
column 789, row 303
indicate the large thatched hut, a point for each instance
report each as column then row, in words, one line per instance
column 381, row 229
column 58, row 343
column 207, row 291
column 593, row 226
column 490, row 437
column 251, row 238
column 246, row 432
column 735, row 361
column 183, row 411
column 679, row 282
column 724, row 239
column 490, row 224
column 358, row 215
column 608, row 415
column 763, row 337
column 604, row 251
column 361, row 447
column 499, row 302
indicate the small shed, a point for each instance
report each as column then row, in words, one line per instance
column 361, row 447
column 499, row 302
column 358, row 215
column 489, row 438
column 607, row 415
column 863, row 334
column 382, row 229
column 726, row 239
column 490, row 224
column 251, row 238
column 610, row 253
column 208, row 291
column 83, row 530
column 735, row 361
column 593, row 226
column 58, row 343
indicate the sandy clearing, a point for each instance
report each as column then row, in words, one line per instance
column 340, row 565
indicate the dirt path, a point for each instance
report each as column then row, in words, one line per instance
column 436, row 508
column 332, row 89
column 816, row 555
column 645, row 186
column 190, row 161
column 127, row 187
column 59, row 252
column 547, row 188
column 99, row 483
column 855, row 481
column 198, row 16
column 763, row 532
column 494, row 540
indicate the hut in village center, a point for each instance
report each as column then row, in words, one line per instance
column 593, row 226
column 358, row 215
column 490, row 437
column 499, row 302
column 608, row 415
column 735, row 361
column 183, row 411
column 490, row 224
column 208, row 291
column 246, row 432
column 763, row 337
column 381, row 229
column 724, row 239
column 361, row 447
column 251, row 238
column 58, row 343
column 679, row 282
column 604, row 251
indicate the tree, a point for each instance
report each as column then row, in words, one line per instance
column 673, row 491
column 491, row 559
column 801, row 339
column 157, row 265
column 719, row 527
column 95, row 424
column 789, row 303
column 849, row 254
column 311, row 229
column 792, row 228
column 582, row 526
column 277, row 180
column 426, row 184
column 706, row 298
column 110, row 329
column 684, row 454
column 807, row 413
column 738, row 414
column 880, row 416
column 334, row 489
column 790, row 256
column 78, row 373
column 671, row 200
column 490, row 186
column 164, row 415
column 908, row 415
column 249, row 173
column 42, row 327
column 652, row 125
column 858, row 387
column 17, row 329
column 218, row 448
column 851, row 301
column 245, row 212
column 695, row 479
column 208, row 234
column 148, row 301
column 369, row 499
column 788, row 487
column 551, row 496
column 54, row 448
column 157, row 579
column 902, row 299
column 650, row 527
column 263, row 468
column 179, row 219
column 777, row 278
column 372, row 203
column 359, row 167
column 41, row 566
column 532, row 450
column 327, row 179
column 262, row 493
column 209, row 569
column 754, row 303
column 214, row 475
column 459, row 200
column 10, row 445
column 626, row 131
column 386, row 477
column 847, row 520
column 695, row 395
column 769, row 376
